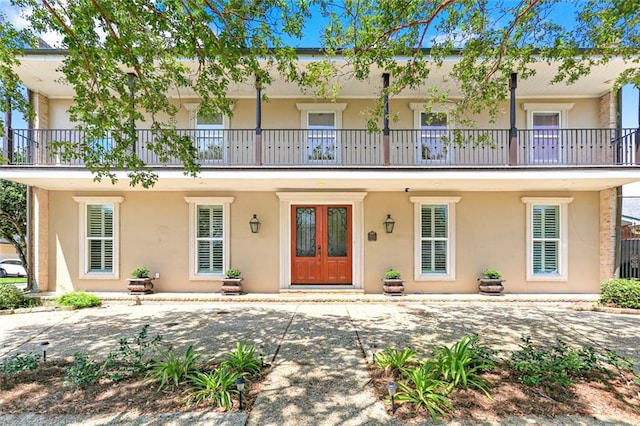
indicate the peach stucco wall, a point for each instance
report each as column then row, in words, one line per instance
column 490, row 228
column 283, row 114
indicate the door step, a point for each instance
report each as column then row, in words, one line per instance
column 299, row 290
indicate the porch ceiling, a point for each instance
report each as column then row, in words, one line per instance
column 40, row 73
column 343, row 180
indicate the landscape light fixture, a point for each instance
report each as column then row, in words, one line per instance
column 43, row 347
column 240, row 387
column 254, row 223
column 389, row 223
column 392, row 388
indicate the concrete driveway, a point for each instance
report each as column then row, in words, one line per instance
column 316, row 348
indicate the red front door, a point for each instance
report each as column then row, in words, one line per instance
column 321, row 244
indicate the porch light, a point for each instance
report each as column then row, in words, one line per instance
column 43, row 348
column 392, row 388
column 389, row 223
column 254, row 223
column 240, row 387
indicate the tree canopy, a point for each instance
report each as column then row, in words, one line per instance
column 202, row 47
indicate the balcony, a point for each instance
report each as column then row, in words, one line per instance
column 275, row 148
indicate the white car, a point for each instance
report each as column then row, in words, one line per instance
column 12, row 267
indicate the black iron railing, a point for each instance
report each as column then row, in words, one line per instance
column 351, row 148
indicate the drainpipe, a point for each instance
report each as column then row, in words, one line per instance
column 258, row 137
column 513, row 131
column 385, row 129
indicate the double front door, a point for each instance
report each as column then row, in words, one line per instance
column 321, row 244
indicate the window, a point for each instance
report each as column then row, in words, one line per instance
column 210, row 134
column 545, row 121
column 433, row 133
column 545, row 146
column 435, row 237
column 209, row 236
column 99, row 238
column 322, row 138
column 547, row 238
column 210, row 138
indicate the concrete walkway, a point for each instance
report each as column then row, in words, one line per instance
column 317, row 350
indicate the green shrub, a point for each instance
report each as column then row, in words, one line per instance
column 462, row 364
column 83, row 372
column 140, row 272
column 556, row 364
column 425, row 389
column 492, row 274
column 132, row 357
column 243, row 360
column 20, row 362
column 79, row 300
column 392, row 274
column 11, row 297
column 217, row 386
column 391, row 360
column 621, row 292
column 173, row 369
column 233, row 273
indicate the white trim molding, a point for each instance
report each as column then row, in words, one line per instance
column 562, row 108
column 225, row 202
column 450, row 202
column 354, row 199
column 83, row 267
column 563, row 250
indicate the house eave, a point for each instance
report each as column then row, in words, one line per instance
column 408, row 180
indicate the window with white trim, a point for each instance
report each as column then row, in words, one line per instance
column 209, row 236
column 322, row 122
column 435, row 237
column 545, row 121
column 210, row 137
column 433, row 133
column 99, row 237
column 547, row 238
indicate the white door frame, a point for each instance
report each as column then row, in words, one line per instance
column 354, row 199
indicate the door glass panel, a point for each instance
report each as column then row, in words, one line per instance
column 433, row 128
column 305, row 231
column 337, row 231
column 546, row 136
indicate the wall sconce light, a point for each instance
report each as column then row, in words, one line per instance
column 389, row 223
column 254, row 223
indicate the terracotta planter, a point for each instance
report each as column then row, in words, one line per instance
column 393, row 287
column 491, row 286
column 232, row 286
column 140, row 285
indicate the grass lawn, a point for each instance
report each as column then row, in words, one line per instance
column 13, row 280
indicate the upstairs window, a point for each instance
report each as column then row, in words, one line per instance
column 433, row 133
column 321, row 137
column 210, row 138
column 545, row 147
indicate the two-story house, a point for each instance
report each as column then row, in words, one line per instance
column 338, row 205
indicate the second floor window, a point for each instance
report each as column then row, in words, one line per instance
column 433, row 133
column 210, row 137
column 545, row 146
column 321, row 136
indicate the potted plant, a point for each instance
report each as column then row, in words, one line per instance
column 491, row 282
column 140, row 281
column 232, row 282
column 393, row 284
